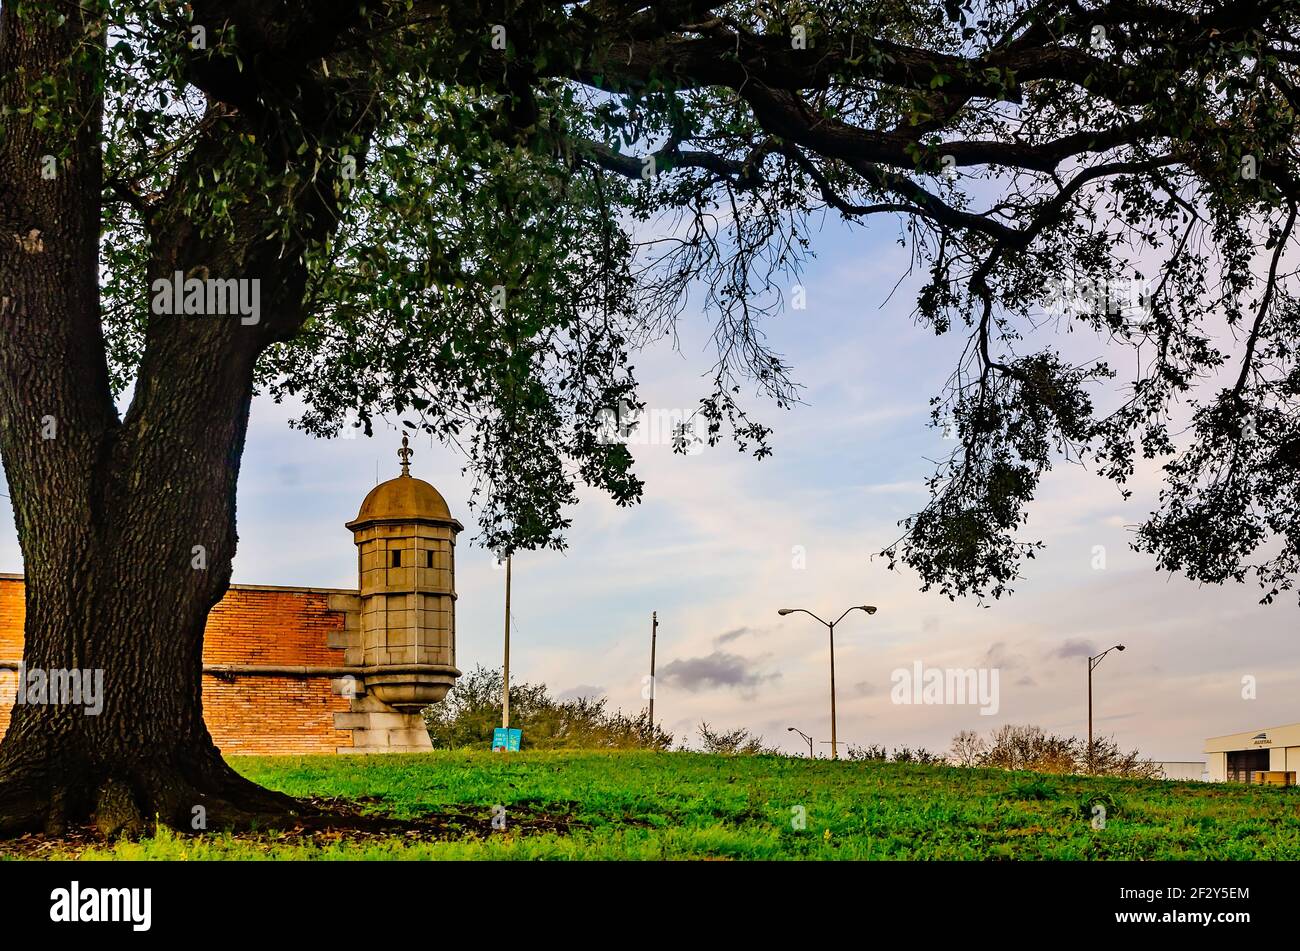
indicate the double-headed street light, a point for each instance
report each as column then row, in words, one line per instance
column 830, row 625
column 1092, row 665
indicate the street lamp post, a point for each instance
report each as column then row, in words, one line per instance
column 830, row 626
column 654, row 636
column 505, row 666
column 1092, row 665
column 791, row 729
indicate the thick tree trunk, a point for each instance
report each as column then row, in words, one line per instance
column 119, row 589
column 126, row 525
column 133, row 622
column 146, row 754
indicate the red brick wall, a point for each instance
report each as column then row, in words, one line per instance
column 273, row 715
column 249, row 714
column 13, row 609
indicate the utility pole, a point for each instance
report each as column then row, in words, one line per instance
column 835, row 750
column 654, row 633
column 505, row 676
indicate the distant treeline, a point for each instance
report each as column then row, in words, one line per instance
column 471, row 711
column 1025, row 747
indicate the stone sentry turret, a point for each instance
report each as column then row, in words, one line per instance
column 406, row 643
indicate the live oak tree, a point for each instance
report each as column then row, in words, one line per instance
column 467, row 217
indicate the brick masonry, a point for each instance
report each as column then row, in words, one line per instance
column 263, row 626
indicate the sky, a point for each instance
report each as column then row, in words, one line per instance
column 722, row 541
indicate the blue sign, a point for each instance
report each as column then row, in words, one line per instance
column 503, row 739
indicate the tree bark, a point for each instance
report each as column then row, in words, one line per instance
column 126, row 525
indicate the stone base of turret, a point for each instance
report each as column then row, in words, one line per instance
column 378, row 728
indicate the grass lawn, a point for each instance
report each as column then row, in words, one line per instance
column 633, row 805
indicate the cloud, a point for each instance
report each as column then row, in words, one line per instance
column 732, row 635
column 865, row 688
column 718, row 669
column 580, row 692
column 998, row 656
column 1075, row 647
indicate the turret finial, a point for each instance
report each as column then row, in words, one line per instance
column 405, row 454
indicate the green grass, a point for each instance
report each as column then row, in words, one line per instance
column 632, row 805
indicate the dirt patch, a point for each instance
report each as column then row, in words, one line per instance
column 333, row 820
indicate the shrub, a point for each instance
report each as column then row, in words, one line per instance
column 1036, row 790
column 473, row 709
column 867, row 753
column 738, row 742
column 1031, row 748
column 903, row 754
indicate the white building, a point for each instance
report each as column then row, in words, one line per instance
column 1236, row 756
column 1193, row 770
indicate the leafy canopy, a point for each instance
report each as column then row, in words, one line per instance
column 539, row 189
